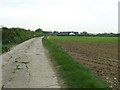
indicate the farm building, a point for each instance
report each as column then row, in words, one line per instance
column 71, row 33
column 64, row 33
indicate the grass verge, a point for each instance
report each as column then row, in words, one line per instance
column 74, row 74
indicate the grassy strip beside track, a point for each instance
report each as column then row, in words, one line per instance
column 75, row 75
column 85, row 38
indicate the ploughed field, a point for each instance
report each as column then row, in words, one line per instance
column 99, row 54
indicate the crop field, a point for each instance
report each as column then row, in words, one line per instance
column 99, row 54
column 84, row 38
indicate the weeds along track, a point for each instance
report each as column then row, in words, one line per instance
column 100, row 57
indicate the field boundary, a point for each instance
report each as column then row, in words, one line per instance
column 74, row 74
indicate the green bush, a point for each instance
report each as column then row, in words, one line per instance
column 12, row 36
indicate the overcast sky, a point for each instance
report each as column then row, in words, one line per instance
column 93, row 16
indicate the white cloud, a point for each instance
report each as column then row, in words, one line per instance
column 89, row 15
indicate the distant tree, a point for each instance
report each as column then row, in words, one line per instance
column 38, row 30
column 4, row 28
column 55, row 33
column 84, row 33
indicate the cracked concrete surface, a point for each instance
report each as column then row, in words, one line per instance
column 27, row 66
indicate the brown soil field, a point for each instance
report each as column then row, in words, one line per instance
column 100, row 57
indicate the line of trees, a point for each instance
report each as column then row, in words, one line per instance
column 84, row 33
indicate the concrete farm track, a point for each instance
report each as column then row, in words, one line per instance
column 27, row 66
